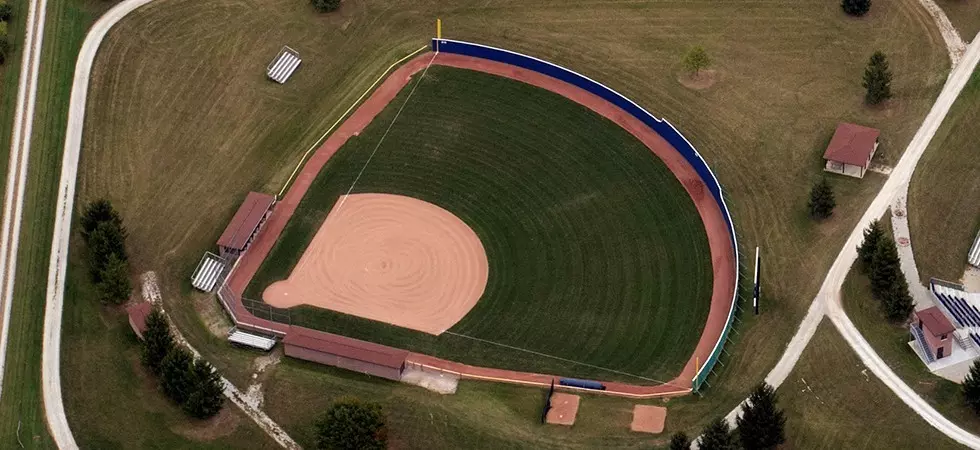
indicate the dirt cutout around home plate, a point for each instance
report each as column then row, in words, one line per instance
column 649, row 419
column 564, row 408
column 389, row 258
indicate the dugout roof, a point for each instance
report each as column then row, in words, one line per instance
column 246, row 220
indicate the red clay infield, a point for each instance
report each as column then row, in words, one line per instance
column 389, row 258
column 723, row 264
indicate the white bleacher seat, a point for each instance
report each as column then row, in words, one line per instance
column 251, row 340
column 283, row 66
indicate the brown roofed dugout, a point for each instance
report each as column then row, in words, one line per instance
column 852, row 144
column 345, row 352
column 246, row 220
column 137, row 317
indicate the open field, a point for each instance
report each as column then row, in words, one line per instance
column 965, row 16
column 944, row 197
column 596, row 252
column 891, row 343
column 177, row 152
column 832, row 401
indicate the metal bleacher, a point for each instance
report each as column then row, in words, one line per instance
column 976, row 338
column 965, row 314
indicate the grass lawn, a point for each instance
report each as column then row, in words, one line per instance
column 596, row 252
column 965, row 16
column 182, row 121
column 891, row 343
column 944, row 197
column 479, row 415
column 100, row 414
column 832, row 401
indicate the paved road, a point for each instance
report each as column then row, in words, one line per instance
column 20, row 146
column 828, row 300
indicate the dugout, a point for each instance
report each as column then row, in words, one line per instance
column 344, row 352
column 244, row 226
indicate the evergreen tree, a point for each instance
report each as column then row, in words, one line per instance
column 207, row 398
column 898, row 301
column 856, row 7
column 717, row 436
column 762, row 424
column 176, row 375
column 971, row 387
column 680, row 441
column 157, row 341
column 325, row 5
column 877, row 79
column 115, row 286
column 866, row 250
column 886, row 268
column 822, row 202
column 107, row 239
column 6, row 11
column 352, row 424
column 97, row 212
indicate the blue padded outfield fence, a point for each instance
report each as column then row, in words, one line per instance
column 660, row 126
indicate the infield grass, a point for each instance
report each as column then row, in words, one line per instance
column 182, row 122
column 944, row 196
column 597, row 254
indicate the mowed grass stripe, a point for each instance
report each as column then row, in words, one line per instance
column 596, row 252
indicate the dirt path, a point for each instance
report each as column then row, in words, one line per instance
column 954, row 43
column 723, row 265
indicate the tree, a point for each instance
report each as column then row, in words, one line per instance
column 971, row 387
column 898, row 301
column 762, row 424
column 822, row 200
column 877, row 79
column 106, row 239
column 717, row 436
column 680, row 441
column 97, row 212
column 696, row 59
column 352, row 424
column 325, row 5
column 176, row 375
column 872, row 235
column 856, row 7
column 6, row 12
column 886, row 268
column 208, row 397
column 157, row 341
column 114, row 287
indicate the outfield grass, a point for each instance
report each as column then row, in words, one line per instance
column 596, row 252
column 965, row 16
column 891, row 343
column 944, row 197
column 833, row 401
column 182, row 122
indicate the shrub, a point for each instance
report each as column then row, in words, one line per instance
column 352, row 424
column 680, row 441
column 971, row 387
column 696, row 60
column 6, row 12
column 326, row 5
column 856, row 7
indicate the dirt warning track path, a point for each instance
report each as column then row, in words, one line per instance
column 722, row 258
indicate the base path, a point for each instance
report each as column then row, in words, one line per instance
column 389, row 258
column 722, row 258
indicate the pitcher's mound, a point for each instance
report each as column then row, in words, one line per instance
column 389, row 258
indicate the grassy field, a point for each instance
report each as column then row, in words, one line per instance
column 95, row 339
column 596, row 252
column 965, row 16
column 944, row 198
column 182, row 122
column 832, row 401
column 891, row 343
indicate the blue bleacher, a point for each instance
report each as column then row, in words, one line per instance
column 949, row 307
column 975, row 338
column 970, row 312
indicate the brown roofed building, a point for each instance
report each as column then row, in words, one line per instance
column 137, row 317
column 851, row 150
column 936, row 330
column 344, row 352
column 245, row 225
